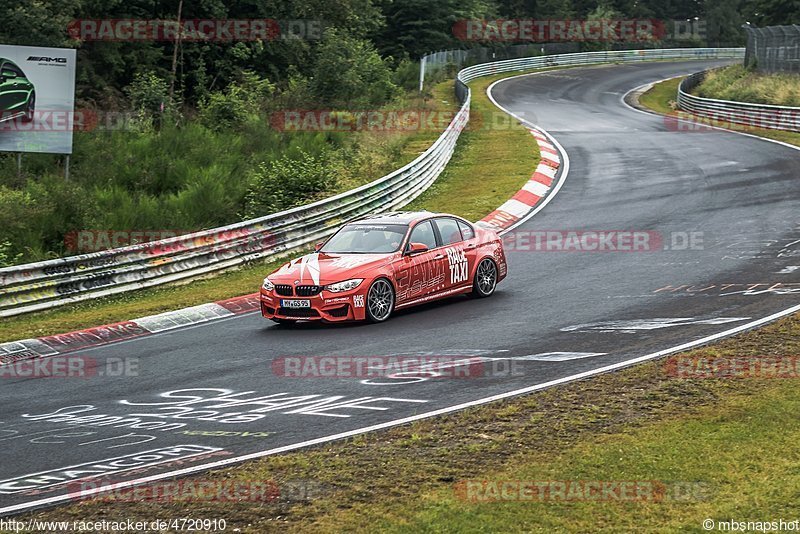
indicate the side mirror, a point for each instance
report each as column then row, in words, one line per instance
column 416, row 248
column 318, row 246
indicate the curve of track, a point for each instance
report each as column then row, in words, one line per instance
column 209, row 394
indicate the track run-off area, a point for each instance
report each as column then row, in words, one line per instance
column 719, row 214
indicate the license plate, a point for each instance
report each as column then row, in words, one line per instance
column 295, row 303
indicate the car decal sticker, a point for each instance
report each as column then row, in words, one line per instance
column 310, row 263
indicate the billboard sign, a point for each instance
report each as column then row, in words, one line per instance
column 37, row 99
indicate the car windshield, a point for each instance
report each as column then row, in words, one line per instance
column 362, row 238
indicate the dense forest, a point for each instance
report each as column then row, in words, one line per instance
column 200, row 152
column 361, row 43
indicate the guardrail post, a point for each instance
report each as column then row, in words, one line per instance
column 422, row 72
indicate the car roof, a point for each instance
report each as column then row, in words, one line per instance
column 400, row 217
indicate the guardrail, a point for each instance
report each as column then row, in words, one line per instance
column 51, row 283
column 744, row 113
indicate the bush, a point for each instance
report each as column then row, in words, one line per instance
column 406, row 75
column 149, row 96
column 287, row 182
column 7, row 257
column 243, row 100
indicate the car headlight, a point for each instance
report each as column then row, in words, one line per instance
column 269, row 286
column 347, row 285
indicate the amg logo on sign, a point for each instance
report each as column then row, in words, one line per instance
column 48, row 59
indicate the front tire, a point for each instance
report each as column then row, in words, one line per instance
column 485, row 280
column 380, row 301
column 30, row 109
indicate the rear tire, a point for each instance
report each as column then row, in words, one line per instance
column 485, row 280
column 380, row 301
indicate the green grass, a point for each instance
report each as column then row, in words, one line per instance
column 742, row 85
column 662, row 96
column 489, row 166
column 737, row 460
column 661, row 99
column 731, row 442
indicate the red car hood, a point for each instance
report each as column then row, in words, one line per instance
column 320, row 268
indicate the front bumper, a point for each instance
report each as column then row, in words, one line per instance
column 325, row 306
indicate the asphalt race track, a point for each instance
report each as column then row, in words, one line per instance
column 722, row 210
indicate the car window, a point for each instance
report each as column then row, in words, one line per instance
column 466, row 230
column 423, row 233
column 10, row 67
column 364, row 238
column 448, row 230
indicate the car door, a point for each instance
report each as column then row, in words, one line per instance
column 459, row 252
column 420, row 275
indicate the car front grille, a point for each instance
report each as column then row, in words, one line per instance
column 283, row 289
column 298, row 312
column 308, row 291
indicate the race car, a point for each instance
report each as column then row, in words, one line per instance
column 381, row 263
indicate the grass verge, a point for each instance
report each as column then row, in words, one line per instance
column 661, row 98
column 739, row 84
column 729, row 445
column 489, row 165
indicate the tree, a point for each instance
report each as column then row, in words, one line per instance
column 554, row 9
column 724, row 26
column 772, row 12
column 349, row 72
column 417, row 27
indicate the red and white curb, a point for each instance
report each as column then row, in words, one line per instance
column 534, row 190
column 25, row 349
